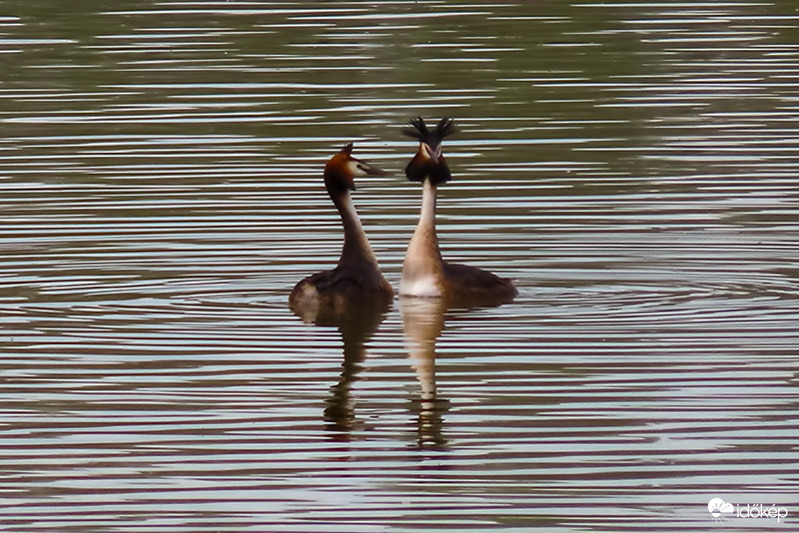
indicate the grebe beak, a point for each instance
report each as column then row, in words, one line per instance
column 428, row 163
column 367, row 169
column 356, row 167
column 342, row 169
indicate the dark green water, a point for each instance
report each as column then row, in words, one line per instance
column 632, row 165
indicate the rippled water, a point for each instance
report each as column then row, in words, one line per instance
column 632, row 165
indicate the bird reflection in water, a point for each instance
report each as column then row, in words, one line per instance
column 356, row 323
column 356, row 330
column 423, row 320
column 355, row 297
column 429, row 284
column 422, row 323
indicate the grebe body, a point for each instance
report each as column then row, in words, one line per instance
column 356, row 279
column 424, row 272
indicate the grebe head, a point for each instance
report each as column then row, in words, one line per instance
column 429, row 162
column 341, row 170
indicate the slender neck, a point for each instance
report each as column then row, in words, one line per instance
column 356, row 245
column 423, row 268
column 425, row 234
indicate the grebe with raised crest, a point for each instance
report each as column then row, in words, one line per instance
column 424, row 271
column 356, row 277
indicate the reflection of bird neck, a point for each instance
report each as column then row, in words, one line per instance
column 423, row 359
column 422, row 271
column 422, row 322
column 340, row 411
column 356, row 245
column 356, row 329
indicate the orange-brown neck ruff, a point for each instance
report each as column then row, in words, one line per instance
column 422, row 271
column 429, row 162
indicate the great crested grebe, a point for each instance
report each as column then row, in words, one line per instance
column 424, row 272
column 357, row 276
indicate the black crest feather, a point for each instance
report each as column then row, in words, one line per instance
column 433, row 138
column 431, row 166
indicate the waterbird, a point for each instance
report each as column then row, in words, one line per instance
column 356, row 279
column 424, row 272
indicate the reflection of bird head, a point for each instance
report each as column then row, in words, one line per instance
column 341, row 170
column 429, row 162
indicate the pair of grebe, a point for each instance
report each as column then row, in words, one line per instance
column 357, row 276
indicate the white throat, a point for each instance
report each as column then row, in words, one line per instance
column 422, row 271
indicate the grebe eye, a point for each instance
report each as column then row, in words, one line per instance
column 356, row 167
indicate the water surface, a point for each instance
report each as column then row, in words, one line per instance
column 632, row 165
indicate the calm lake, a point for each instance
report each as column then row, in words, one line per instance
column 631, row 165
